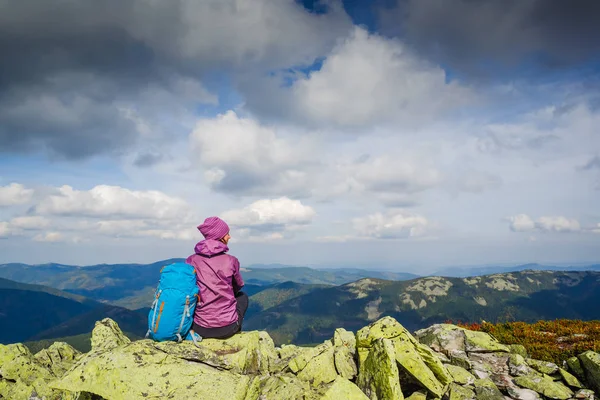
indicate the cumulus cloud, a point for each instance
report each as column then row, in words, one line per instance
column 469, row 35
column 243, row 157
column 103, row 211
column 49, row 237
column 524, row 223
column 5, row 230
column 365, row 81
column 395, row 224
column 29, row 222
column 82, row 69
column 14, row 194
column 270, row 218
column 112, row 201
column 521, row 223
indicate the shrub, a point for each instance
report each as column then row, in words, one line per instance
column 554, row 341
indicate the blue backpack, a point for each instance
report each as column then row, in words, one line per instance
column 172, row 312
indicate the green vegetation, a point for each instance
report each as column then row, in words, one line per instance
column 521, row 296
column 554, row 341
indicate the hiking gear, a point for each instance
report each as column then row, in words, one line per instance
column 218, row 277
column 228, row 330
column 213, row 228
column 170, row 317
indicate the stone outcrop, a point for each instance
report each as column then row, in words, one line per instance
column 381, row 361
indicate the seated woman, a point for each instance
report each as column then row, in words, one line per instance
column 222, row 305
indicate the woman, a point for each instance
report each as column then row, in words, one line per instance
column 222, row 305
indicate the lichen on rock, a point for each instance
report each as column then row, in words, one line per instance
column 445, row 362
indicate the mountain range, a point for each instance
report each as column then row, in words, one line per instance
column 295, row 304
column 519, row 296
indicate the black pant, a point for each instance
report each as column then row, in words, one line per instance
column 226, row 331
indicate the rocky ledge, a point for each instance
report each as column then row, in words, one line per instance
column 382, row 361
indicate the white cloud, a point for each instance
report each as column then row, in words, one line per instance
column 270, row 218
column 216, row 32
column 558, row 224
column 524, row 223
column 392, row 225
column 366, row 80
column 396, row 175
column 14, row 194
column 5, row 230
column 49, row 237
column 112, row 202
column 521, row 223
column 30, row 222
column 243, row 157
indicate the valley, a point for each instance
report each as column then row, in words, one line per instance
column 296, row 305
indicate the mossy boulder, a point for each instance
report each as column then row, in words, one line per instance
column 543, row 367
column 545, row 385
column 378, row 377
column 59, row 357
column 415, row 359
column 590, row 363
column 460, row 375
column 457, row 392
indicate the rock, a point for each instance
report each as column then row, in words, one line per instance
column 590, row 363
column 585, row 394
column 298, row 363
column 485, row 389
column 518, row 349
column 544, row 367
column 522, row 394
column 517, row 366
column 279, row 387
column 460, row 359
column 575, row 367
column 59, row 357
column 345, row 349
column 416, row 359
column 491, row 363
column 22, row 376
column 481, row 342
column 460, row 375
column 378, row 374
column 544, row 385
column 139, row 371
column 418, row 395
column 410, row 361
column 342, row 337
column 320, row 369
column 107, row 335
column 343, row 389
column 457, row 392
column 246, row 352
column 446, row 338
column 443, row 338
column 569, row 379
column 344, row 363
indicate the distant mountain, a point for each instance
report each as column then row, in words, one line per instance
column 132, row 285
column 524, row 296
column 32, row 312
column 134, row 322
column 276, row 294
column 462, row 272
column 28, row 309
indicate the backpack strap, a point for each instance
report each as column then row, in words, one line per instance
column 154, row 304
column 186, row 313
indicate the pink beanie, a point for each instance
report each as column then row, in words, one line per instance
column 213, row 228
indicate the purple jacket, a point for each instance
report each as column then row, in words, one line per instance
column 216, row 275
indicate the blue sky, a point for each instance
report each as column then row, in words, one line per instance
column 406, row 134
